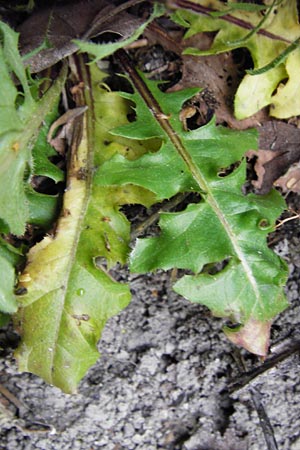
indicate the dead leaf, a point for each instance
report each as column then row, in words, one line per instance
column 218, row 76
column 279, row 148
column 291, row 180
column 59, row 25
column 254, row 336
column 64, row 137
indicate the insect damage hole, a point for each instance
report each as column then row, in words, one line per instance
column 225, row 171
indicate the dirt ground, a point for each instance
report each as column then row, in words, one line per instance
column 163, row 381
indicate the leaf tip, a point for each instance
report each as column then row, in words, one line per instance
column 254, row 336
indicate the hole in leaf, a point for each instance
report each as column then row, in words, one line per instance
column 21, row 290
column 107, row 37
column 131, row 117
column 281, row 84
column 242, row 58
column 233, row 326
column 101, row 262
column 264, row 224
column 117, row 82
column 192, row 197
column 225, row 171
column 199, row 110
column 214, row 268
column 45, row 185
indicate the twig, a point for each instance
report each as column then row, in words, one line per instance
column 12, row 398
column 247, row 377
column 263, row 419
column 22, row 409
column 287, row 219
column 140, row 229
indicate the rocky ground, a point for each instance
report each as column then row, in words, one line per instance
column 163, row 381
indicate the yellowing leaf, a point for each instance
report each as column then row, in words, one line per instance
column 70, row 295
column 280, row 28
column 9, row 257
column 68, row 299
column 286, row 102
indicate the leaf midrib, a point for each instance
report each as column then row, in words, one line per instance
column 82, row 156
column 163, row 120
column 209, row 198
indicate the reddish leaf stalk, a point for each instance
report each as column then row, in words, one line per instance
column 206, row 10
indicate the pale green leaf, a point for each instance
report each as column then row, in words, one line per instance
column 286, row 102
column 68, row 298
column 9, row 257
column 258, row 90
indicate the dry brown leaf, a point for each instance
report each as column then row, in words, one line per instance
column 63, row 137
column 63, row 22
column 279, row 148
column 218, row 76
column 291, row 180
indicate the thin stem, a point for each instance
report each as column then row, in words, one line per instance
column 161, row 118
column 288, row 219
column 256, row 398
column 264, row 420
column 247, row 377
column 255, row 29
column 206, row 10
column 142, row 227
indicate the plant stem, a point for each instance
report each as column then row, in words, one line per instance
column 206, row 10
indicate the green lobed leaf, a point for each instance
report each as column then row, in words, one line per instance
column 104, row 50
column 20, row 119
column 225, row 227
column 43, row 209
column 70, row 295
column 258, row 90
column 42, row 150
